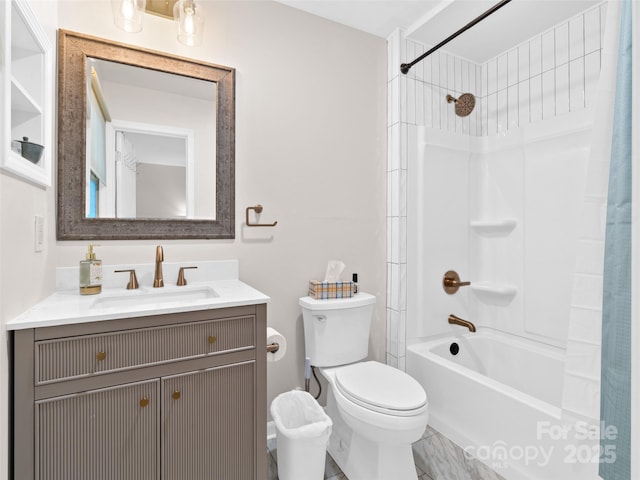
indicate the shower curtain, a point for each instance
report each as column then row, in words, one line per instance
column 615, row 407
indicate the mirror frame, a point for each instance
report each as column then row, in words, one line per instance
column 72, row 224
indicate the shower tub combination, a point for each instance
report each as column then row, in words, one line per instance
column 498, row 396
column 498, row 393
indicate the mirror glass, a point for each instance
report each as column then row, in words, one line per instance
column 150, row 143
column 146, row 143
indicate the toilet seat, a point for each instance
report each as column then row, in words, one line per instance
column 381, row 388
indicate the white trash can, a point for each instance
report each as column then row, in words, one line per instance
column 302, row 434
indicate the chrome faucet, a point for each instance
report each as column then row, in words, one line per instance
column 464, row 323
column 157, row 277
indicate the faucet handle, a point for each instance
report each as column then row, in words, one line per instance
column 181, row 280
column 451, row 282
column 133, row 280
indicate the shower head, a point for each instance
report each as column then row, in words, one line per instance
column 464, row 103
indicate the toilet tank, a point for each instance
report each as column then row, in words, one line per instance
column 336, row 332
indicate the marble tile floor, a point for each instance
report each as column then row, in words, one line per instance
column 436, row 458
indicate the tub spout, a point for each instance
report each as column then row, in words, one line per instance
column 459, row 321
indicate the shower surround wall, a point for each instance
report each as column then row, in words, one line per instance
column 548, row 76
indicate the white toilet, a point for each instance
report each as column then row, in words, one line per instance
column 377, row 410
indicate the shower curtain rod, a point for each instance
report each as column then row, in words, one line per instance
column 404, row 68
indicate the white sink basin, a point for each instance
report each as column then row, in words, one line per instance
column 157, row 296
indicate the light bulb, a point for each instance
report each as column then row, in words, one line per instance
column 127, row 14
column 127, row 9
column 189, row 23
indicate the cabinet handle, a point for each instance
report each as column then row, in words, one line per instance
column 176, row 394
column 144, row 402
column 212, row 339
column 101, row 356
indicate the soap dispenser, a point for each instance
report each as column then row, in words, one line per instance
column 90, row 274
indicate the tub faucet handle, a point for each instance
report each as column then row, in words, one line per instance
column 451, row 282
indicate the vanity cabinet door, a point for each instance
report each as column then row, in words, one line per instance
column 105, row 434
column 208, row 422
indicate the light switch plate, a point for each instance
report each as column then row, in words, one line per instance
column 38, row 237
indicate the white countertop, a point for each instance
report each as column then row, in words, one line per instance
column 67, row 306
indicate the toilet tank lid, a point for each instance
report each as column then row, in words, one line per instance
column 358, row 300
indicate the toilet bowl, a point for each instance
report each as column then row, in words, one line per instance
column 380, row 401
column 375, row 426
column 377, row 411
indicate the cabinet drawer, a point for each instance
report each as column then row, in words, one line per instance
column 75, row 357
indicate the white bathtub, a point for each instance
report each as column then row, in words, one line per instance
column 499, row 399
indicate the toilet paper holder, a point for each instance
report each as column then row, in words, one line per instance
column 276, row 345
column 258, row 209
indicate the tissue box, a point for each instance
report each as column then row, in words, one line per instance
column 327, row 290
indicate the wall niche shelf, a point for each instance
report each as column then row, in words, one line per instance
column 496, row 226
column 497, row 289
column 26, row 87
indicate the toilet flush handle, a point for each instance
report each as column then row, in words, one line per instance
column 320, row 318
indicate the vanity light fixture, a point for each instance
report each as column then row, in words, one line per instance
column 128, row 15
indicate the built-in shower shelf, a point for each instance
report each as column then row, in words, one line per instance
column 494, row 226
column 499, row 289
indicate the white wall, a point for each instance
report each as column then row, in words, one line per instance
column 437, row 230
column 551, row 74
column 536, row 176
column 310, row 147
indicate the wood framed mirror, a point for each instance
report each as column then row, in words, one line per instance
column 210, row 144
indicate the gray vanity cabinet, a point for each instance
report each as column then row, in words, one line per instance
column 166, row 397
